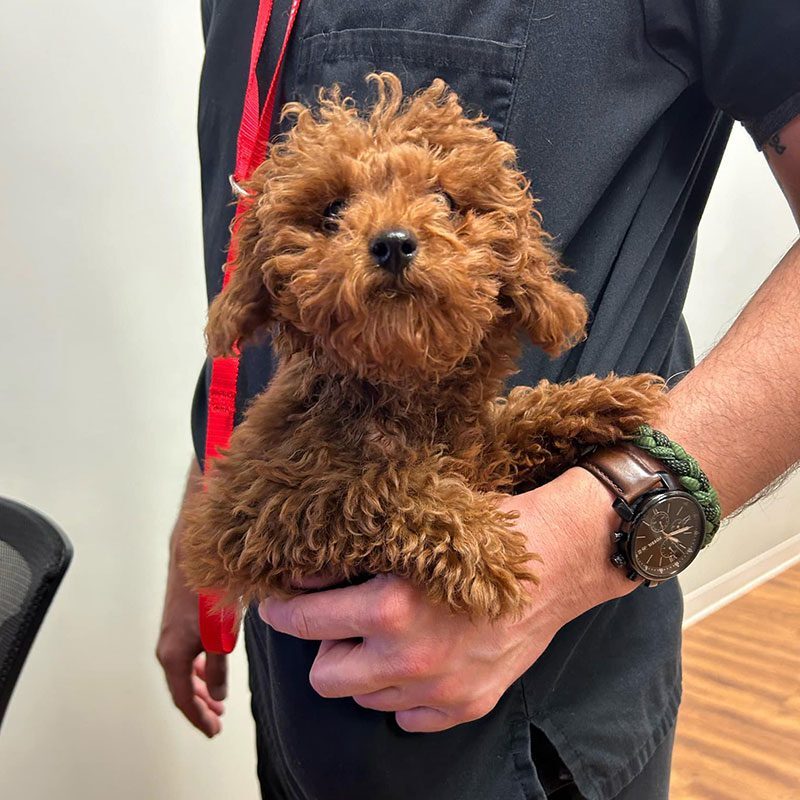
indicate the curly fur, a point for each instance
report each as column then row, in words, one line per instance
column 382, row 445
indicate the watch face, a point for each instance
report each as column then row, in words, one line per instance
column 667, row 534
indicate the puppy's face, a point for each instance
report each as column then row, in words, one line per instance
column 397, row 245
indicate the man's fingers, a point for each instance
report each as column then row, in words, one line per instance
column 345, row 669
column 193, row 707
column 345, row 613
column 201, row 716
column 200, row 690
column 323, row 580
column 424, row 720
column 392, row 698
column 213, row 669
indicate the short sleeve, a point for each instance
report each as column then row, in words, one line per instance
column 751, row 61
column 746, row 54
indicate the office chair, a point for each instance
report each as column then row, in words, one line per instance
column 34, row 555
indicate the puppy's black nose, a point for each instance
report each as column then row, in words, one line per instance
column 393, row 250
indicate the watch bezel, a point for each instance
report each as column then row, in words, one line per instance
column 642, row 507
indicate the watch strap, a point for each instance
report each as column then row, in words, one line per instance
column 628, row 471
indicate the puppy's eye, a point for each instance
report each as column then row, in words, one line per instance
column 331, row 214
column 448, row 198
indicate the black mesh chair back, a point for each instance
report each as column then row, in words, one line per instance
column 34, row 555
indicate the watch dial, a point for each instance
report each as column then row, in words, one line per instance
column 667, row 535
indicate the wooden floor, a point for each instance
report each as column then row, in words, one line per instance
column 739, row 725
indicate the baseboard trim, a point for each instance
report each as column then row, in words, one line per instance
column 707, row 599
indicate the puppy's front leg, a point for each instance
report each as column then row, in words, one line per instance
column 545, row 429
column 457, row 545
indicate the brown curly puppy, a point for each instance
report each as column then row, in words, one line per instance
column 394, row 256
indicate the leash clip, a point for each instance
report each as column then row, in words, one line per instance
column 237, row 190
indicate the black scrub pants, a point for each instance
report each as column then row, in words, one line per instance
column 286, row 771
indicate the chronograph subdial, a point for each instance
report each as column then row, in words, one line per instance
column 671, row 549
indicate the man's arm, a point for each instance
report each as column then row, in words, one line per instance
column 197, row 681
column 737, row 413
column 783, row 155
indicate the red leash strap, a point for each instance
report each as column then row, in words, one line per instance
column 218, row 629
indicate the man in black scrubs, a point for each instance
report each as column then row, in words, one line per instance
column 620, row 114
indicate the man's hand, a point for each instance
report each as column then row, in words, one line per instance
column 387, row 646
column 197, row 681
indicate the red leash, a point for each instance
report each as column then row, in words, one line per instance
column 218, row 629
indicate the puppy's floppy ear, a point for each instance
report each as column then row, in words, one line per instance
column 244, row 307
column 553, row 316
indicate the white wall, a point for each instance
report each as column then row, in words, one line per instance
column 102, row 293
column 101, row 315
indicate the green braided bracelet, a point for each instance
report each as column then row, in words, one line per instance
column 687, row 471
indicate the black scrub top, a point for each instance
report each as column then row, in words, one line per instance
column 620, row 113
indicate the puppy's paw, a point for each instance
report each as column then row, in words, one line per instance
column 605, row 410
column 486, row 571
column 634, row 400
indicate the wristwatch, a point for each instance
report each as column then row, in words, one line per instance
column 661, row 526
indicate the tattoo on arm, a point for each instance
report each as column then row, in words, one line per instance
column 775, row 143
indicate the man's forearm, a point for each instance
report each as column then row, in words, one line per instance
column 197, row 681
column 737, row 412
